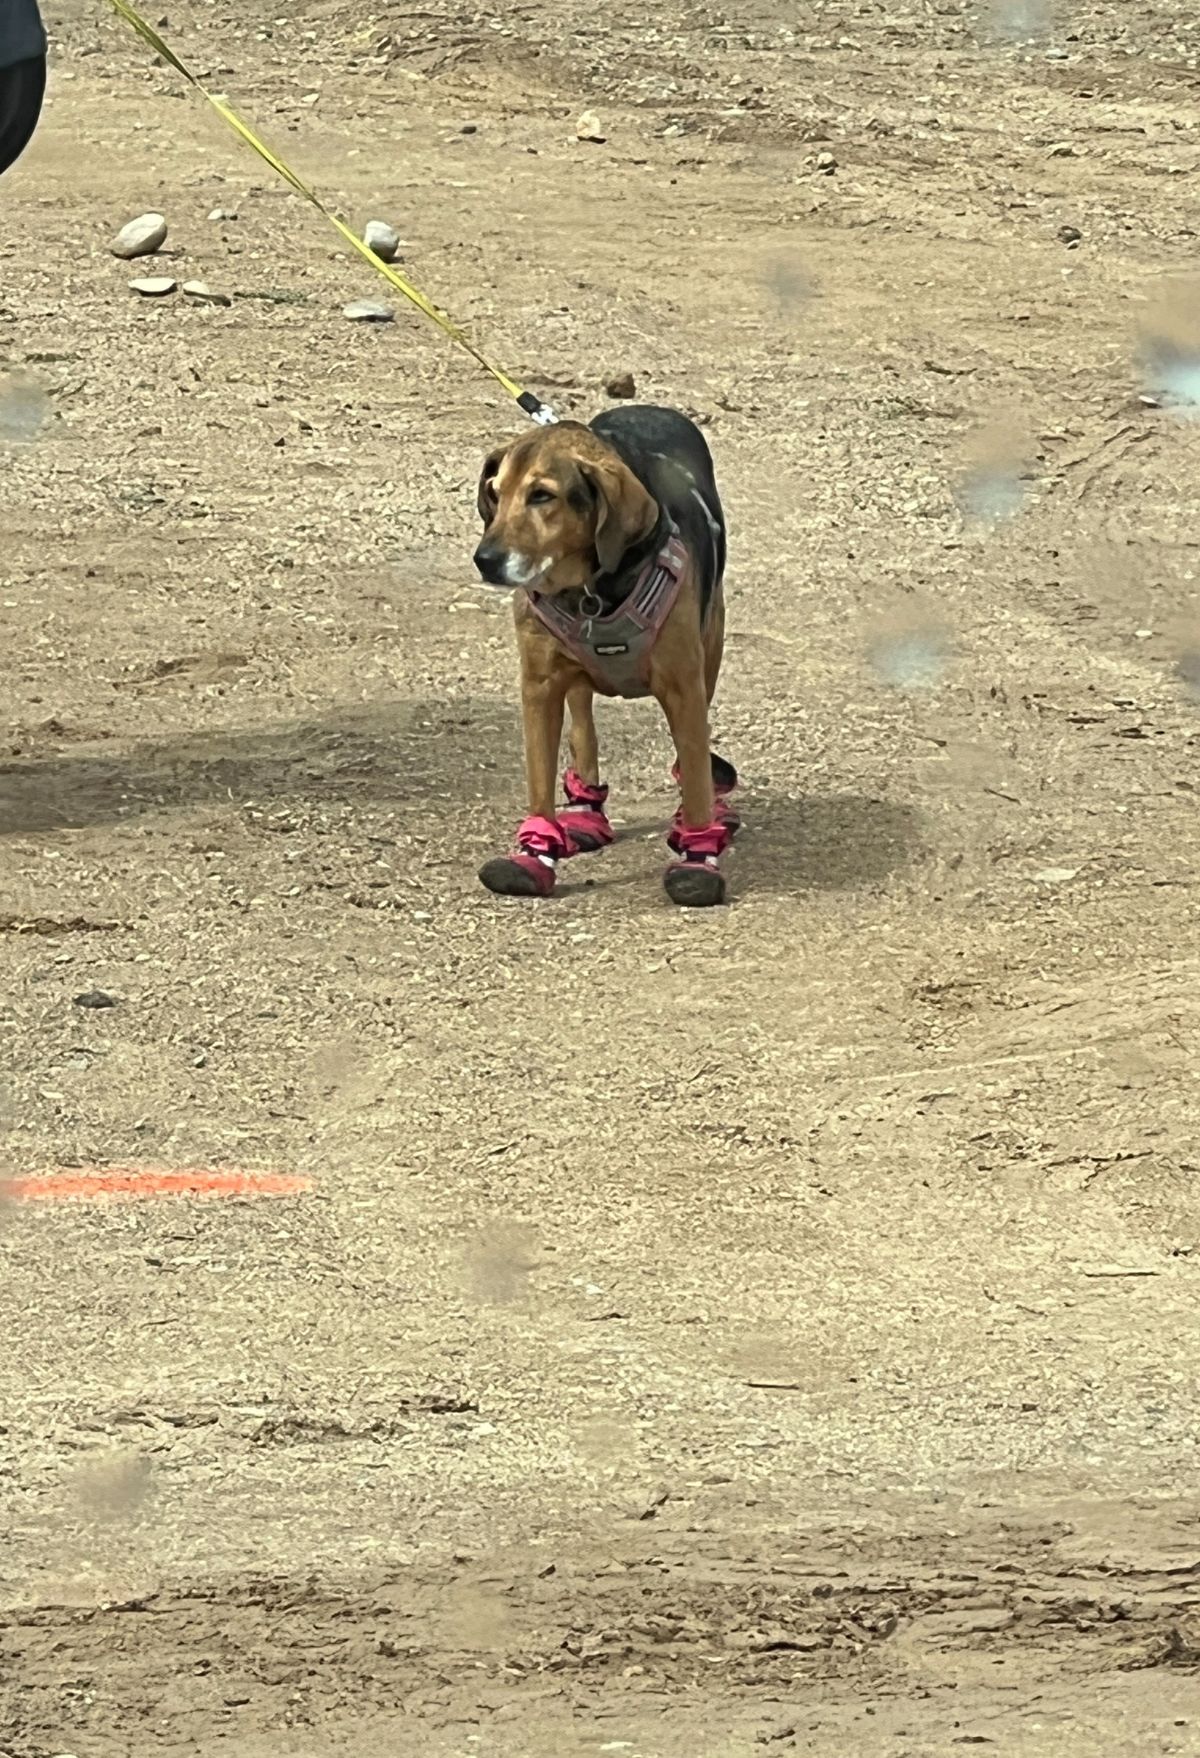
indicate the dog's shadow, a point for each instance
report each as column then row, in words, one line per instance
column 419, row 755
column 430, row 757
column 843, row 842
column 846, row 842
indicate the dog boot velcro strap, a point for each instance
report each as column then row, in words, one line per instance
column 583, row 819
column 706, row 844
column 540, row 844
column 724, row 811
column 542, row 837
column 529, row 870
column 584, row 793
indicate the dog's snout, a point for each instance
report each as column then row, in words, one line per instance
column 491, row 560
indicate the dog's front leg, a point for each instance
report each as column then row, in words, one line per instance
column 542, row 698
column 699, row 836
column 685, row 705
column 530, row 870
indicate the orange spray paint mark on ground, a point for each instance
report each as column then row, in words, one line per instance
column 129, row 1183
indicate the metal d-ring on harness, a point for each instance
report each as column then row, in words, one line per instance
column 531, row 404
column 590, row 607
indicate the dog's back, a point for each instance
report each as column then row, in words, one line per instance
column 670, row 455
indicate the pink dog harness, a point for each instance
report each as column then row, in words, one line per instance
column 615, row 648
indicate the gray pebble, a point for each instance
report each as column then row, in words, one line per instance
column 96, row 998
column 383, row 239
column 368, row 311
column 141, row 237
column 153, row 286
column 223, row 214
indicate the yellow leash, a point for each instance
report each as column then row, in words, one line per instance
column 532, row 405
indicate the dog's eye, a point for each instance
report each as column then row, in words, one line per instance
column 539, row 497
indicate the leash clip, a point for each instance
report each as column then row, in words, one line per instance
column 536, row 410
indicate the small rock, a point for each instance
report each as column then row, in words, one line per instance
column 382, row 239
column 1055, row 875
column 622, row 384
column 203, row 294
column 141, row 237
column 1069, row 234
column 1062, row 149
column 96, row 998
column 469, row 128
column 368, row 311
column 658, row 1498
column 223, row 214
column 827, row 164
column 153, row 286
column 588, row 128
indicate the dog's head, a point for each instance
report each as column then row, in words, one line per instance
column 559, row 507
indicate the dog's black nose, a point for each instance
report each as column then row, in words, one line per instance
column 490, row 560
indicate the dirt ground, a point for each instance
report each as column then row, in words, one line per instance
column 766, row 1330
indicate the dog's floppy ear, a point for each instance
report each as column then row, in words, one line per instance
column 624, row 510
column 485, row 499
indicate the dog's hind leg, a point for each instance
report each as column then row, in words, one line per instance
column 724, row 775
column 714, row 643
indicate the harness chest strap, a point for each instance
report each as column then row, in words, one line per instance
column 615, row 648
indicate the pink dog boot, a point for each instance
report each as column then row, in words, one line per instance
column 583, row 820
column 696, row 881
column 529, row 871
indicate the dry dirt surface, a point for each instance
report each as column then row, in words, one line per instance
column 760, row 1331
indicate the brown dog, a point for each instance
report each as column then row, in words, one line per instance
column 613, row 538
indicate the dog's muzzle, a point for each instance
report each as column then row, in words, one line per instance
column 492, row 561
column 507, row 567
